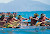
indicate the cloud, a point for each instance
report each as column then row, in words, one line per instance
column 5, row 1
column 44, row 1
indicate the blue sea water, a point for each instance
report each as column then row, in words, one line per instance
column 27, row 15
column 23, row 31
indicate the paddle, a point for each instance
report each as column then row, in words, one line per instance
column 26, row 20
column 21, row 15
column 41, row 22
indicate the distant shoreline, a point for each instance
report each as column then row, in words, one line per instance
column 22, row 11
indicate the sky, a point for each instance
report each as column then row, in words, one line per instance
column 24, row 5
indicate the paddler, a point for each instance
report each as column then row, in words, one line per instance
column 2, row 20
column 9, row 13
column 0, row 14
column 10, row 19
column 34, row 19
column 42, row 19
column 14, row 14
column 6, row 14
column 3, row 13
column 21, row 18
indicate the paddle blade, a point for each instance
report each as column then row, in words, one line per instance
column 38, row 23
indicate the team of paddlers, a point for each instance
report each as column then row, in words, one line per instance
column 12, row 21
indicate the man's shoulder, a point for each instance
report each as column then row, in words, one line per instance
column 45, row 17
column 36, row 17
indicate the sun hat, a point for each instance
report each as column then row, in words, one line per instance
column 36, row 14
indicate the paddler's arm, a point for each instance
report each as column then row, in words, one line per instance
column 25, row 18
column 30, row 17
column 35, row 18
column 4, row 19
column 47, row 18
column 10, row 22
column 0, row 14
column 14, row 18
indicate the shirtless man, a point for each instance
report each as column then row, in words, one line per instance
column 10, row 19
column 2, row 20
column 14, row 14
column 2, row 13
column 21, row 18
column 34, row 19
column 9, row 13
column 42, row 19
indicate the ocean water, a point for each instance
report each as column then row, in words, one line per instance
column 23, row 31
column 27, row 15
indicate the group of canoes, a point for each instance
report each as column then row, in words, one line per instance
column 11, row 21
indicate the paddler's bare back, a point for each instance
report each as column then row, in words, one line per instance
column 43, row 19
column 34, row 20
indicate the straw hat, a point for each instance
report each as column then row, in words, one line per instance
column 36, row 14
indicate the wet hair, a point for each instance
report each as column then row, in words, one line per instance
column 19, row 15
column 15, row 13
column 2, row 16
column 11, row 16
column 43, row 14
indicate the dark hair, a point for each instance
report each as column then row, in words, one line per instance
column 11, row 16
column 42, row 13
column 19, row 15
column 2, row 16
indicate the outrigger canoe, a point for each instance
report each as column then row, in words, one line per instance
column 33, row 27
